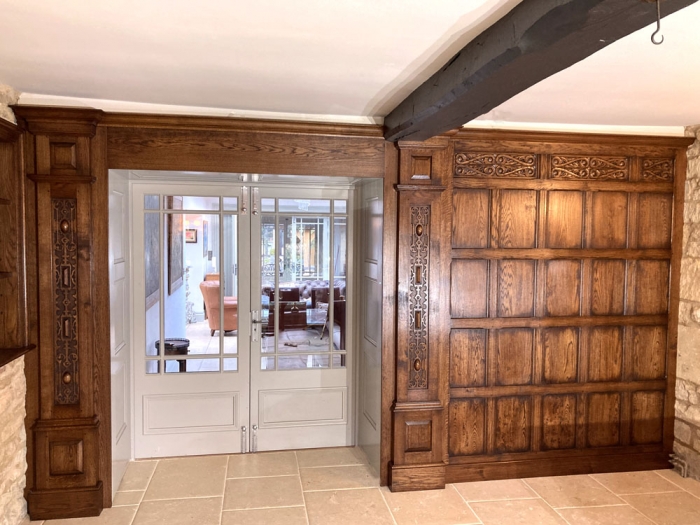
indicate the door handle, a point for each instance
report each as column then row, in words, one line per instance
column 255, row 322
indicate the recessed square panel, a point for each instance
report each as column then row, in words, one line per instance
column 564, row 219
column 563, row 288
column 513, row 424
column 467, row 426
column 517, row 219
column 514, row 356
column 469, row 288
column 470, row 220
column 516, row 288
column 419, row 436
column 609, row 220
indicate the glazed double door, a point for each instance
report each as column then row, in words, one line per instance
column 240, row 325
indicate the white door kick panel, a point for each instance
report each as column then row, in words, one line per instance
column 302, row 407
column 188, row 412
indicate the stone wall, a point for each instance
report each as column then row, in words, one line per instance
column 687, row 442
column 8, row 96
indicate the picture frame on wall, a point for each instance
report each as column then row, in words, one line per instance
column 191, row 236
column 175, row 230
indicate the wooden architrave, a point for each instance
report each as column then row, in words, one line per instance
column 534, row 41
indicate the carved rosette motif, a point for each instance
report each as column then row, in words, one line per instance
column 657, row 169
column 590, row 168
column 65, row 253
column 418, row 298
column 505, row 165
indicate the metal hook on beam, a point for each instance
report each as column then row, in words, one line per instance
column 658, row 25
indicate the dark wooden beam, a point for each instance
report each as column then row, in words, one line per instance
column 535, row 40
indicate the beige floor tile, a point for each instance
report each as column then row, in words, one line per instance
column 437, row 507
column 127, row 498
column 673, row 508
column 188, row 478
column 689, row 484
column 572, row 491
column 332, row 478
column 257, row 493
column 495, row 490
column 347, row 507
column 618, row 515
column 282, row 516
column 635, row 482
column 516, row 512
column 113, row 516
column 137, row 475
column 263, row 464
column 331, row 457
column 193, row 511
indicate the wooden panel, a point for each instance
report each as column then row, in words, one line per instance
column 563, row 287
column 603, row 421
column 514, row 356
column 467, row 427
column 605, row 354
column 66, row 457
column 564, row 219
column 558, row 422
column 468, row 297
column 516, row 288
column 513, row 424
column 517, row 223
column 608, row 288
column 419, row 436
column 654, row 220
column 648, row 352
column 560, row 347
column 467, row 358
column 651, row 287
column 609, row 220
column 647, row 417
column 470, row 219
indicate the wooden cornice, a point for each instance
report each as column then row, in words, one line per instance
column 58, row 120
column 9, row 132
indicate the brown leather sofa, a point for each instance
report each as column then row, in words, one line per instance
column 210, row 293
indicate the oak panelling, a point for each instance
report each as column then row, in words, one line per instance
column 608, row 220
column 553, row 388
column 467, row 427
column 468, row 358
column 558, row 422
column 516, row 288
column 648, row 352
column 568, row 185
column 560, row 348
column 562, row 288
column 605, row 353
column 647, row 417
column 608, row 287
column 468, row 293
column 654, row 220
column 470, row 219
column 517, row 219
column 544, row 253
column 603, row 420
column 536, row 322
column 513, row 424
column 650, row 288
column 564, row 225
column 514, row 354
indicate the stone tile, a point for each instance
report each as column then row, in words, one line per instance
column 516, row 512
column 188, row 478
column 193, row 511
column 332, row 478
column 572, row 491
column 137, row 475
column 281, row 516
column 262, row 464
column 673, row 508
column 127, row 498
column 617, row 515
column 437, row 507
column 113, row 516
column 689, row 484
column 331, row 457
column 635, row 482
column 347, row 507
column 494, row 490
column 257, row 493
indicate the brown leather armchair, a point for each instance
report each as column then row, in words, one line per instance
column 210, row 293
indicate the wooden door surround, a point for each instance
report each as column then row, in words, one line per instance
column 530, row 290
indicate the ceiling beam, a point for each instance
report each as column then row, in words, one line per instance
column 535, row 40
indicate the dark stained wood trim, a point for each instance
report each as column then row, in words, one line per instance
column 7, row 355
column 559, row 388
column 71, row 503
column 573, row 185
column 9, row 132
column 550, row 253
column 59, row 120
column 417, row 477
column 534, row 41
column 537, row 322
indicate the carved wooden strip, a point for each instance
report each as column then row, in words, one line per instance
column 501, row 165
column 418, row 294
column 590, row 167
column 657, row 169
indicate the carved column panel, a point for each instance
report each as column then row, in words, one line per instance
column 68, row 431
column 419, row 412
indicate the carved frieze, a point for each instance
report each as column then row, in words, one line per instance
column 65, row 253
column 419, row 261
column 589, row 168
column 502, row 165
column 657, row 169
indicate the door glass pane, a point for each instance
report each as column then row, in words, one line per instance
column 270, row 267
column 267, row 363
column 340, row 266
column 268, row 205
column 231, row 365
column 230, row 267
column 151, row 202
column 230, row 203
column 151, row 229
column 305, row 205
column 192, row 365
column 302, row 361
column 340, row 206
column 189, row 202
column 152, row 367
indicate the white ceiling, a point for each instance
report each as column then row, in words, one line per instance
column 351, row 60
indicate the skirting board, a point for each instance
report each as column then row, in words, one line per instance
column 65, row 503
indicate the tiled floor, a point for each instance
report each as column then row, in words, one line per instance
column 336, row 487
